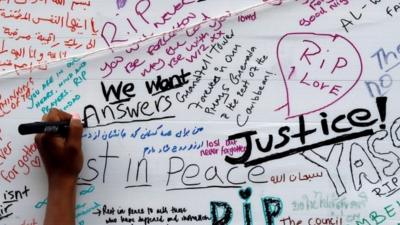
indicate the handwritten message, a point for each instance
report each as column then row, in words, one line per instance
column 202, row 112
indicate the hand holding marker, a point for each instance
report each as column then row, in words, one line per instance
column 59, row 127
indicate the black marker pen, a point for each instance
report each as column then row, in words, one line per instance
column 59, row 127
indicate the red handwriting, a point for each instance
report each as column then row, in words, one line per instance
column 65, row 21
column 133, row 48
column 112, row 39
column 158, row 65
column 176, row 51
column 79, row 3
column 3, row 50
column 171, row 50
column 175, row 60
column 161, row 42
column 316, row 4
column 168, row 15
column 5, row 151
column 247, row 17
column 109, row 30
column 26, row 161
column 35, row 54
column 31, row 2
column 185, row 21
column 319, row 8
column 43, row 39
column 143, row 6
column 141, row 10
column 18, row 95
column 24, row 164
column 31, row 58
column 200, row 39
column 199, row 45
column 132, row 65
column 112, row 65
column 332, row 55
column 33, row 48
column 59, row 2
column 192, row 31
column 30, row 222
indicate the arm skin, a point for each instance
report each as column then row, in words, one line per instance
column 61, row 202
column 63, row 160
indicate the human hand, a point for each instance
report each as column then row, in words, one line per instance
column 62, row 156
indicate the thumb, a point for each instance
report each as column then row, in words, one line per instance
column 75, row 131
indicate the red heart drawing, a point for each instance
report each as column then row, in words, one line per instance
column 36, row 162
column 318, row 70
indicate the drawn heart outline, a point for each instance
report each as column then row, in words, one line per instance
column 35, row 162
column 323, row 106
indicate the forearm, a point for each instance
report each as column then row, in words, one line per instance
column 61, row 202
column 63, row 159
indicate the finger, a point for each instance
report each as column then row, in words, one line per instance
column 58, row 115
column 75, row 132
column 39, row 144
column 64, row 116
column 53, row 144
column 53, row 115
column 38, row 140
